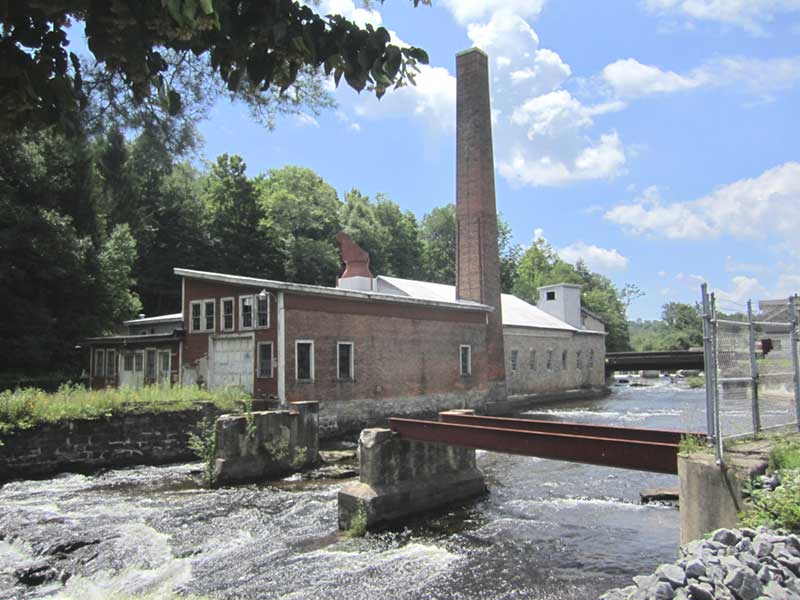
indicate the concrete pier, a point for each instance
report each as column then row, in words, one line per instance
column 264, row 444
column 399, row 479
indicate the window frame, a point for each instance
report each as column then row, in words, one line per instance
column 311, row 369
column 549, row 362
column 579, row 360
column 138, row 361
column 564, row 358
column 550, row 296
column 256, row 312
column 125, row 357
column 351, row 366
column 532, row 359
column 111, row 362
column 514, row 360
column 222, row 302
column 99, row 363
column 590, row 360
column 461, row 349
column 242, row 326
column 199, row 328
column 159, row 371
column 271, row 360
column 213, row 303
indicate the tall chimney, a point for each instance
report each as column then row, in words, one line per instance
column 477, row 259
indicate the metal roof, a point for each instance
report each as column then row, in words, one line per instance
column 516, row 312
column 319, row 290
column 153, row 320
column 142, row 338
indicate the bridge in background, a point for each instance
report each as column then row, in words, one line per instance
column 654, row 361
column 652, row 450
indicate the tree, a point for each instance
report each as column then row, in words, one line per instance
column 116, row 260
column 256, row 45
column 403, row 248
column 360, row 221
column 302, row 211
column 439, row 242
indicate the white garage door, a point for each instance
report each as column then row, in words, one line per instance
column 231, row 363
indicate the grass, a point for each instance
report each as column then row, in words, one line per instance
column 29, row 407
column 696, row 382
column 785, row 455
column 690, row 444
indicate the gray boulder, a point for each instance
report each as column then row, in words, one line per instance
column 743, row 583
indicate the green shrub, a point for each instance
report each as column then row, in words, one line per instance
column 204, row 445
column 785, row 455
column 690, row 444
column 358, row 524
column 777, row 509
column 696, row 382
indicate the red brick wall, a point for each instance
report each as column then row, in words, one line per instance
column 399, row 350
column 195, row 345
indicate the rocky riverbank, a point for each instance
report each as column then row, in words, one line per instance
column 734, row 564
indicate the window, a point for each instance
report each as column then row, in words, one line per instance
column 150, row 366
column 138, row 362
column 549, row 365
column 127, row 361
column 209, row 307
column 227, row 314
column 344, row 361
column 164, row 365
column 550, row 295
column 111, row 363
column 564, row 360
column 196, row 321
column 304, row 360
column 514, row 358
column 245, row 312
column 466, row 360
column 591, row 358
column 264, row 360
column 532, row 360
column 578, row 360
column 262, row 312
column 100, row 363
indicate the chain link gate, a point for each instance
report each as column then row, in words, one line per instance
column 752, row 371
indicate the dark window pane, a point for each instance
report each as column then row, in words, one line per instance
column 304, row 360
column 345, row 355
column 265, row 360
column 263, row 312
column 465, row 360
column 210, row 315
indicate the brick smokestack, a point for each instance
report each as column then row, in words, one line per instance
column 477, row 258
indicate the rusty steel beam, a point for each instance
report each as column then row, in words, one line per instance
column 664, row 436
column 655, row 457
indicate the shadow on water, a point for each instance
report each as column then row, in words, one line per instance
column 547, row 529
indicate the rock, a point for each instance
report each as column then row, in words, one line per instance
column 663, row 591
column 743, row 583
column 36, row 573
column 672, row 574
column 764, row 574
column 695, row 568
column 748, row 533
column 693, row 548
column 645, row 582
column 680, row 595
column 701, row 591
column 790, row 562
column 744, row 545
column 774, row 591
column 762, row 548
column 749, row 560
column 726, row 536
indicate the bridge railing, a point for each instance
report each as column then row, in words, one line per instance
column 752, row 372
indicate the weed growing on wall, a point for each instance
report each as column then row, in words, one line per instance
column 690, row 444
column 358, row 524
column 775, row 498
column 28, row 407
column 204, row 445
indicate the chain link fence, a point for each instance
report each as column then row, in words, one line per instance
column 752, row 373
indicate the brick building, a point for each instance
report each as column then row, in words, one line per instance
column 376, row 346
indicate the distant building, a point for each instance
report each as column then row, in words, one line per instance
column 376, row 346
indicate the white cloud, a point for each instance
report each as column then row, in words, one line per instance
column 751, row 15
column 470, row 11
column 742, row 289
column 628, row 78
column 596, row 258
column 360, row 16
column 763, row 207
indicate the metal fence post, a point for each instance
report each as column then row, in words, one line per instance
column 753, row 370
column 708, row 363
column 795, row 365
column 717, row 423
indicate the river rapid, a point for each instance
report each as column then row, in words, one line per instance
column 546, row 530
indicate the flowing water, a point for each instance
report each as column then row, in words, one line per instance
column 546, row 530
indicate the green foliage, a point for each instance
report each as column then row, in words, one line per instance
column 777, row 509
column 785, row 455
column 680, row 329
column 29, row 407
column 696, row 382
column 204, row 446
column 690, row 444
column 256, row 48
column 358, row 524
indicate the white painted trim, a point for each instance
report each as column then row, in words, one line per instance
column 252, row 313
column 180, row 362
column 469, row 360
column 183, row 302
column 222, row 302
column 271, row 360
column 144, row 365
column 281, row 349
column 255, row 311
column 191, row 317
column 99, row 352
column 159, row 372
column 213, row 327
column 296, row 364
column 352, row 360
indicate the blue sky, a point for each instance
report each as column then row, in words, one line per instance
column 657, row 140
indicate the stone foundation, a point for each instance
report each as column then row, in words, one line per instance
column 264, row 444
column 88, row 444
column 400, row 478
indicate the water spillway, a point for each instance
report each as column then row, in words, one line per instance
column 547, row 529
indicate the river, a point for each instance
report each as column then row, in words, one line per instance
column 546, row 530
